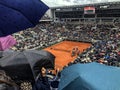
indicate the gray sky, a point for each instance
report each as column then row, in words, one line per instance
column 53, row 3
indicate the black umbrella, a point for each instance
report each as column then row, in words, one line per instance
column 6, row 52
column 26, row 64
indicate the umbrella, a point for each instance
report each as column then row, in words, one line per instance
column 91, row 76
column 6, row 52
column 16, row 15
column 27, row 64
column 6, row 42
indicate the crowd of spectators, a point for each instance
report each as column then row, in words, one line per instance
column 105, row 40
column 105, row 47
column 44, row 35
column 41, row 36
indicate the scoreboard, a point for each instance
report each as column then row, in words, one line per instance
column 89, row 10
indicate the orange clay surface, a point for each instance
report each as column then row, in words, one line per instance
column 62, row 52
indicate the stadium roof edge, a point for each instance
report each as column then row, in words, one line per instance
column 118, row 2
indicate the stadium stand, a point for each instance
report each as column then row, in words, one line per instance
column 101, row 29
column 100, row 37
column 103, row 12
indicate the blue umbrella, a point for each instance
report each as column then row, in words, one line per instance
column 91, row 76
column 16, row 15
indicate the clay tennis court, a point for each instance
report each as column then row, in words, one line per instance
column 62, row 52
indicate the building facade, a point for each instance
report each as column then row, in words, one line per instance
column 109, row 12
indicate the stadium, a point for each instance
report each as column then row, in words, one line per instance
column 98, row 12
column 59, row 46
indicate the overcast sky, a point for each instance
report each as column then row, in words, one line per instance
column 53, row 3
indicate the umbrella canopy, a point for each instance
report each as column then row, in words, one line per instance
column 6, row 42
column 26, row 64
column 16, row 15
column 91, row 76
column 6, row 52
